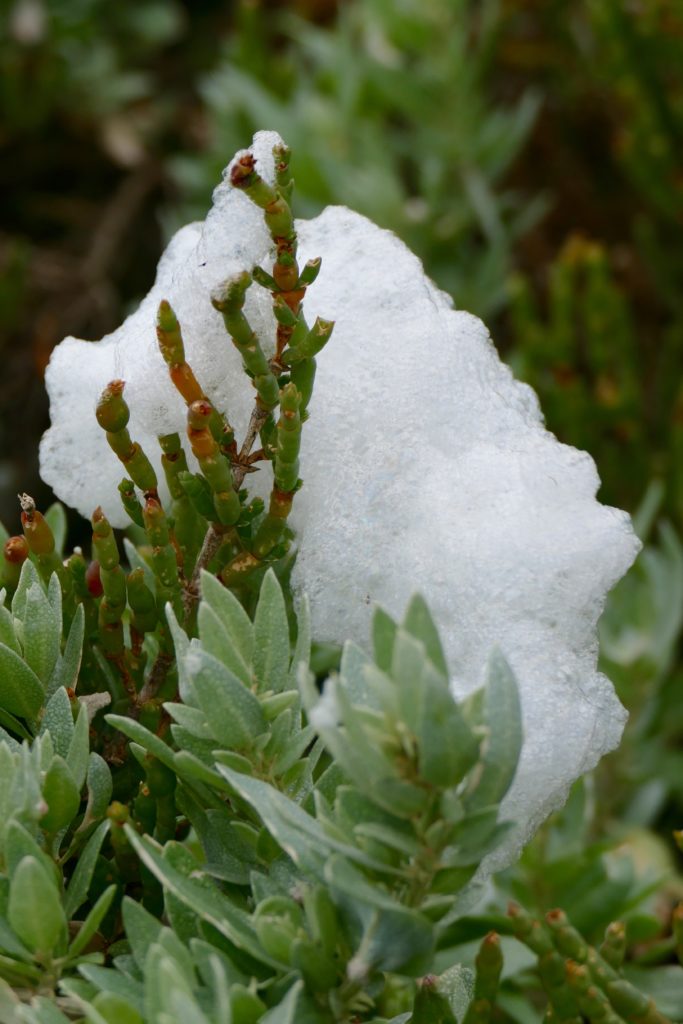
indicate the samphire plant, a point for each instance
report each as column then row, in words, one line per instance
column 200, row 821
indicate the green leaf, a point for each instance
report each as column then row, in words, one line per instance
column 212, row 907
column 354, row 663
column 231, row 615
column 8, row 1000
column 16, row 726
column 431, row 1006
column 136, row 561
column 383, row 635
column 419, row 623
column 29, row 576
column 79, row 885
column 137, row 732
column 20, row 690
column 42, row 634
column 190, row 767
column 107, row 980
column 41, row 1011
column 112, row 1009
column 100, row 786
column 62, row 796
column 302, row 648
column 54, row 597
column 35, row 909
column 502, row 716
column 477, row 835
column 394, row 937
column 19, row 843
column 193, row 720
column 92, row 922
column 233, row 712
column 79, row 748
column 56, row 520
column 182, row 647
column 296, row 1008
column 7, row 635
column 300, row 835
column 457, row 984
column 58, row 721
column 216, row 640
column 244, row 1006
column 142, row 929
column 271, row 636
column 446, row 747
column 9, row 943
column 68, row 665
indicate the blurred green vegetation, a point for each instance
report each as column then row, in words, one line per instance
column 530, row 151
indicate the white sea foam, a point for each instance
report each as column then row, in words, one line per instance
column 426, row 467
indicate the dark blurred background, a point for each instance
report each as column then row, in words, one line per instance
column 530, row 151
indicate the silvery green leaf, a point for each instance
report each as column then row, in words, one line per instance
column 29, row 576
column 21, row 692
column 58, row 721
column 100, row 786
column 54, row 596
column 62, row 796
column 216, row 640
column 79, row 884
column 42, row 1011
column 457, row 984
column 44, row 748
column 297, row 1007
column 42, row 633
column 92, row 922
column 199, row 748
column 9, row 740
column 136, row 561
column 274, row 706
column 9, row 943
column 190, row 767
column 107, row 980
column 137, row 732
column 406, row 667
column 142, row 929
column 182, row 646
column 233, row 712
column 9, row 1001
column 35, row 909
column 231, row 615
column 419, row 623
column 383, row 636
column 79, row 748
column 298, row 833
column 69, row 663
column 107, row 1007
column 228, row 857
column 165, row 980
column 191, row 719
column 213, row 907
column 291, row 748
column 447, row 748
column 502, row 716
column 271, row 636
column 393, row 937
column 302, row 648
column 7, row 635
column 354, row 661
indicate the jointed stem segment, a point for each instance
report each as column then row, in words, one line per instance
column 210, row 525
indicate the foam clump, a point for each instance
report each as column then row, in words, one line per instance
column 426, row 467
